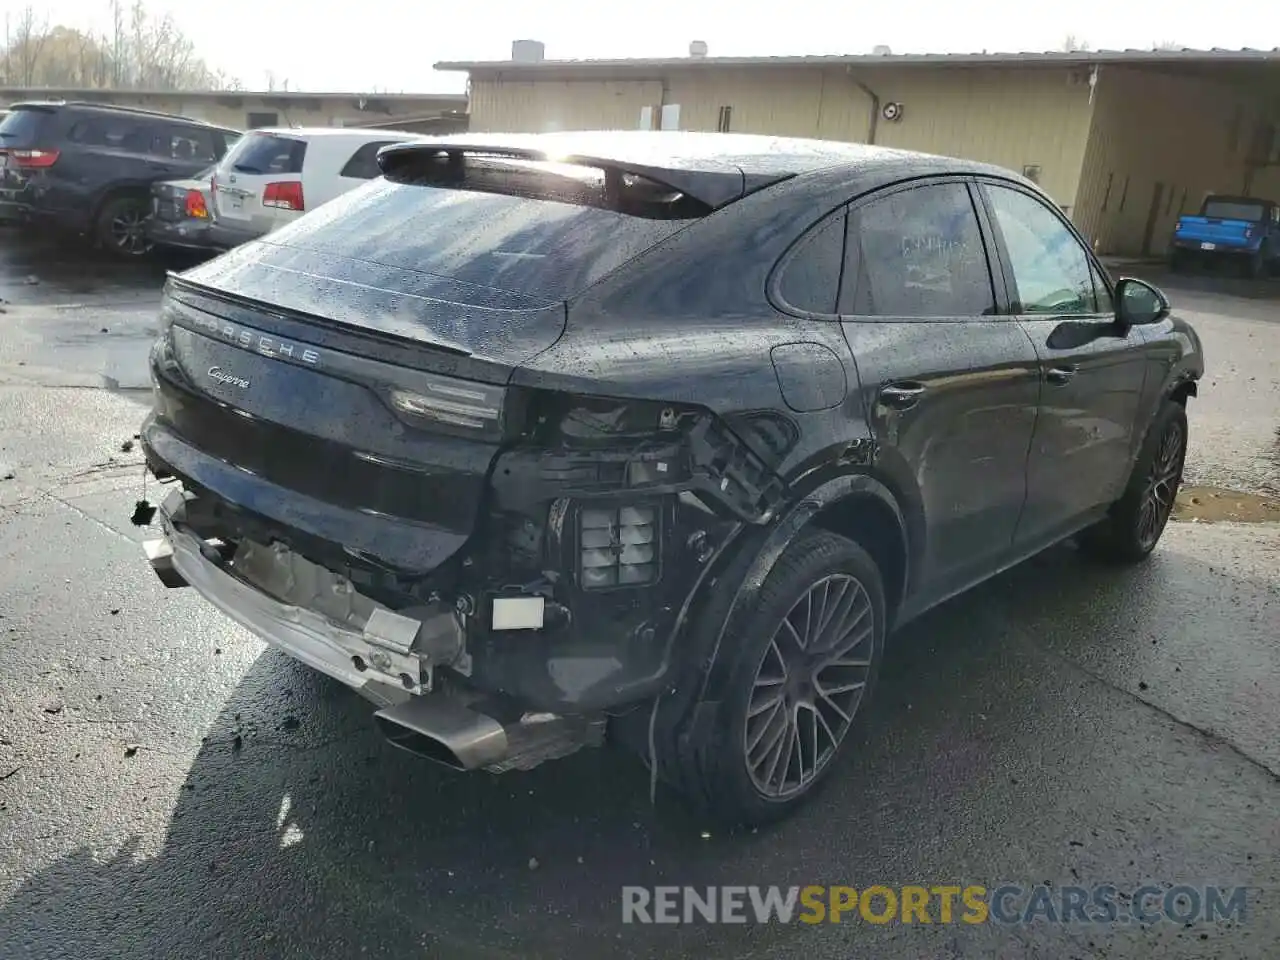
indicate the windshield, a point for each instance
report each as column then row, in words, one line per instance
column 1235, row 210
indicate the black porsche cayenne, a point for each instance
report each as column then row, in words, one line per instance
column 544, row 441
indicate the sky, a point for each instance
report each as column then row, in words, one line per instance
column 391, row 45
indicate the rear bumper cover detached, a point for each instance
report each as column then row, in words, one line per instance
column 320, row 642
column 382, row 655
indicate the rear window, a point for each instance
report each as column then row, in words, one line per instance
column 1234, row 210
column 545, row 237
column 263, row 153
column 21, row 127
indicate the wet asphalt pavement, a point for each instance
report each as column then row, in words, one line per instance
column 169, row 788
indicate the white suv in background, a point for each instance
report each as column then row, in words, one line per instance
column 274, row 175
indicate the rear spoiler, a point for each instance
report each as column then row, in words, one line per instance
column 711, row 182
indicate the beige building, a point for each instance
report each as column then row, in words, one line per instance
column 1123, row 140
column 244, row 110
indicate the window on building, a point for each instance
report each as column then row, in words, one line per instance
column 1051, row 269
column 811, row 276
column 256, row 120
column 917, row 253
column 364, row 162
column 725, row 122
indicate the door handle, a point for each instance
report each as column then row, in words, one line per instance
column 1060, row 375
column 902, row 396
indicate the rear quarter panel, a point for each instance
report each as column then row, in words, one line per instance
column 689, row 322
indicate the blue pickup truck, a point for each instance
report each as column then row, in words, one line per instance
column 1243, row 229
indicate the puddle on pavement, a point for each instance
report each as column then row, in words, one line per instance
column 1212, row 504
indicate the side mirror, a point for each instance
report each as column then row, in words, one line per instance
column 1138, row 302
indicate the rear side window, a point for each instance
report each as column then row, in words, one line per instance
column 918, row 253
column 259, row 153
column 21, row 128
column 116, row 133
column 811, row 276
column 184, row 144
column 364, row 162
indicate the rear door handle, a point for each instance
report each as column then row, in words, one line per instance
column 902, row 396
column 1060, row 375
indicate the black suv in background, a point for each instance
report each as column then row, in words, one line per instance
column 87, row 168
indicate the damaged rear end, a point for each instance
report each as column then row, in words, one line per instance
column 360, row 480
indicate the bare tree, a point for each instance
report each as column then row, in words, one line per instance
column 139, row 51
column 26, row 45
column 1168, row 45
column 1074, row 44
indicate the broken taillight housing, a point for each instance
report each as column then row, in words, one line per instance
column 618, row 546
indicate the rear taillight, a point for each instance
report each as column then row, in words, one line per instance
column 287, row 196
column 195, row 204
column 474, row 406
column 33, row 159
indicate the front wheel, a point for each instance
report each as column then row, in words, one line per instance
column 1133, row 528
column 121, row 227
column 805, row 654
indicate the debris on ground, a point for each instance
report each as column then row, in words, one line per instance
column 6, row 472
column 52, row 706
column 130, row 749
column 533, row 863
column 104, row 330
column 6, row 776
column 126, row 447
column 115, row 611
column 31, row 280
column 237, row 742
column 1209, row 504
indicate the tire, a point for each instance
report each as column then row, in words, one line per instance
column 733, row 768
column 120, row 226
column 1256, row 268
column 1136, row 521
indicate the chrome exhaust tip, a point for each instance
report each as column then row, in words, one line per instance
column 442, row 730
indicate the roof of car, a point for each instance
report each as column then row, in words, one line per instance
column 119, row 109
column 350, row 132
column 715, row 167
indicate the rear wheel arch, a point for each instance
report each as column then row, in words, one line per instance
column 1182, row 390
column 877, row 527
column 141, row 191
column 856, row 506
